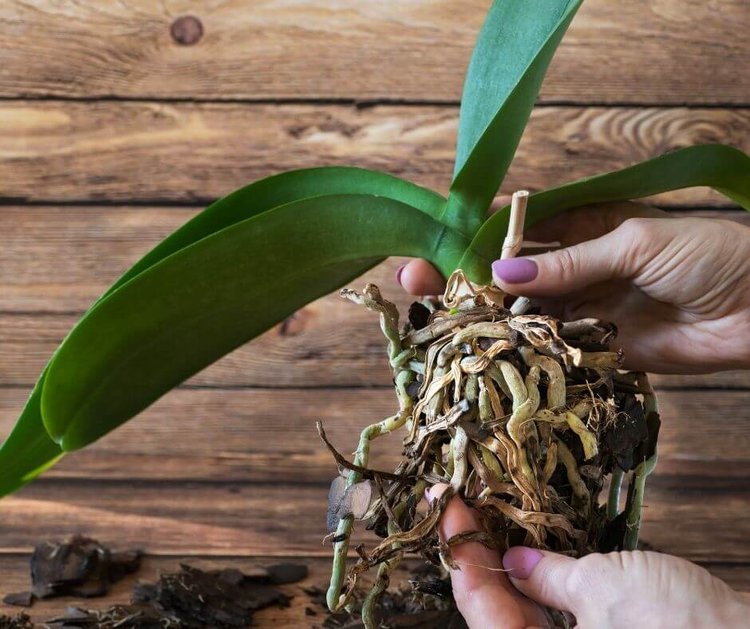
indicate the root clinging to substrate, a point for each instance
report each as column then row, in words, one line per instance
column 526, row 418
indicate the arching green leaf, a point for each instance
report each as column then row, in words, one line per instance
column 723, row 168
column 29, row 450
column 510, row 59
column 280, row 189
column 184, row 312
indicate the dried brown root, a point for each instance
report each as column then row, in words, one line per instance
column 525, row 417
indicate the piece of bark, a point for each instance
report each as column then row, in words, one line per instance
column 80, row 566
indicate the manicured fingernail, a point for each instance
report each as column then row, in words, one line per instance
column 521, row 561
column 515, row 270
column 399, row 271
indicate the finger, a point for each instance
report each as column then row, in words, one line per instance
column 570, row 269
column 586, row 223
column 541, row 575
column 483, row 593
column 419, row 277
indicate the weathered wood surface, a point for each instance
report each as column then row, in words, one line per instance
column 294, row 617
column 268, row 435
column 327, row 343
column 16, row 569
column 642, row 51
column 55, row 261
column 692, row 519
column 58, row 260
column 183, row 152
column 99, row 104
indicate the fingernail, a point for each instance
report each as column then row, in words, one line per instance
column 520, row 561
column 435, row 492
column 515, row 270
column 399, row 271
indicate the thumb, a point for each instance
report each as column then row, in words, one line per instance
column 483, row 593
column 541, row 575
column 625, row 589
column 570, row 269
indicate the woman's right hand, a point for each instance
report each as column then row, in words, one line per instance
column 677, row 288
column 619, row 589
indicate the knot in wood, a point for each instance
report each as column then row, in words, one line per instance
column 186, row 30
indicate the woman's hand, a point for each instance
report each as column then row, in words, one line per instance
column 677, row 288
column 616, row 590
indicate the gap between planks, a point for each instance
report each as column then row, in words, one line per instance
column 369, row 103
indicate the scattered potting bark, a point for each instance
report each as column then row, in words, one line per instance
column 283, row 573
column 125, row 616
column 192, row 599
column 22, row 621
column 426, row 603
column 19, row 599
column 218, row 598
column 80, row 566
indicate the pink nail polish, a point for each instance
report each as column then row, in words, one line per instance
column 521, row 561
column 515, row 270
column 435, row 492
column 399, row 271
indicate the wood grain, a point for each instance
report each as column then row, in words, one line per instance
column 61, row 259
column 698, row 522
column 268, row 435
column 55, row 261
column 99, row 104
column 643, row 51
column 194, row 153
column 58, row 260
column 14, row 569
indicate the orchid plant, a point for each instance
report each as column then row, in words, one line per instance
column 259, row 254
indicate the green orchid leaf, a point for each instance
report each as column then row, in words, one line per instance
column 513, row 51
column 29, row 450
column 723, row 168
column 280, row 189
column 192, row 307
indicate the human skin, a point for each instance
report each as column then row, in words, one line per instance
column 615, row 591
column 679, row 289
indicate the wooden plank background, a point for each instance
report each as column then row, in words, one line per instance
column 112, row 134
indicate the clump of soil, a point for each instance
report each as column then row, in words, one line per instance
column 526, row 417
column 80, row 566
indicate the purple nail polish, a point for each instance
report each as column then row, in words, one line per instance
column 399, row 271
column 515, row 270
column 521, row 561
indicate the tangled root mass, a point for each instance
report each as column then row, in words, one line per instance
column 527, row 418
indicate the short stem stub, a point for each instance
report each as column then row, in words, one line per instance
column 514, row 240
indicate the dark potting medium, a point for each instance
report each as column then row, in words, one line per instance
column 80, row 566
column 21, row 621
